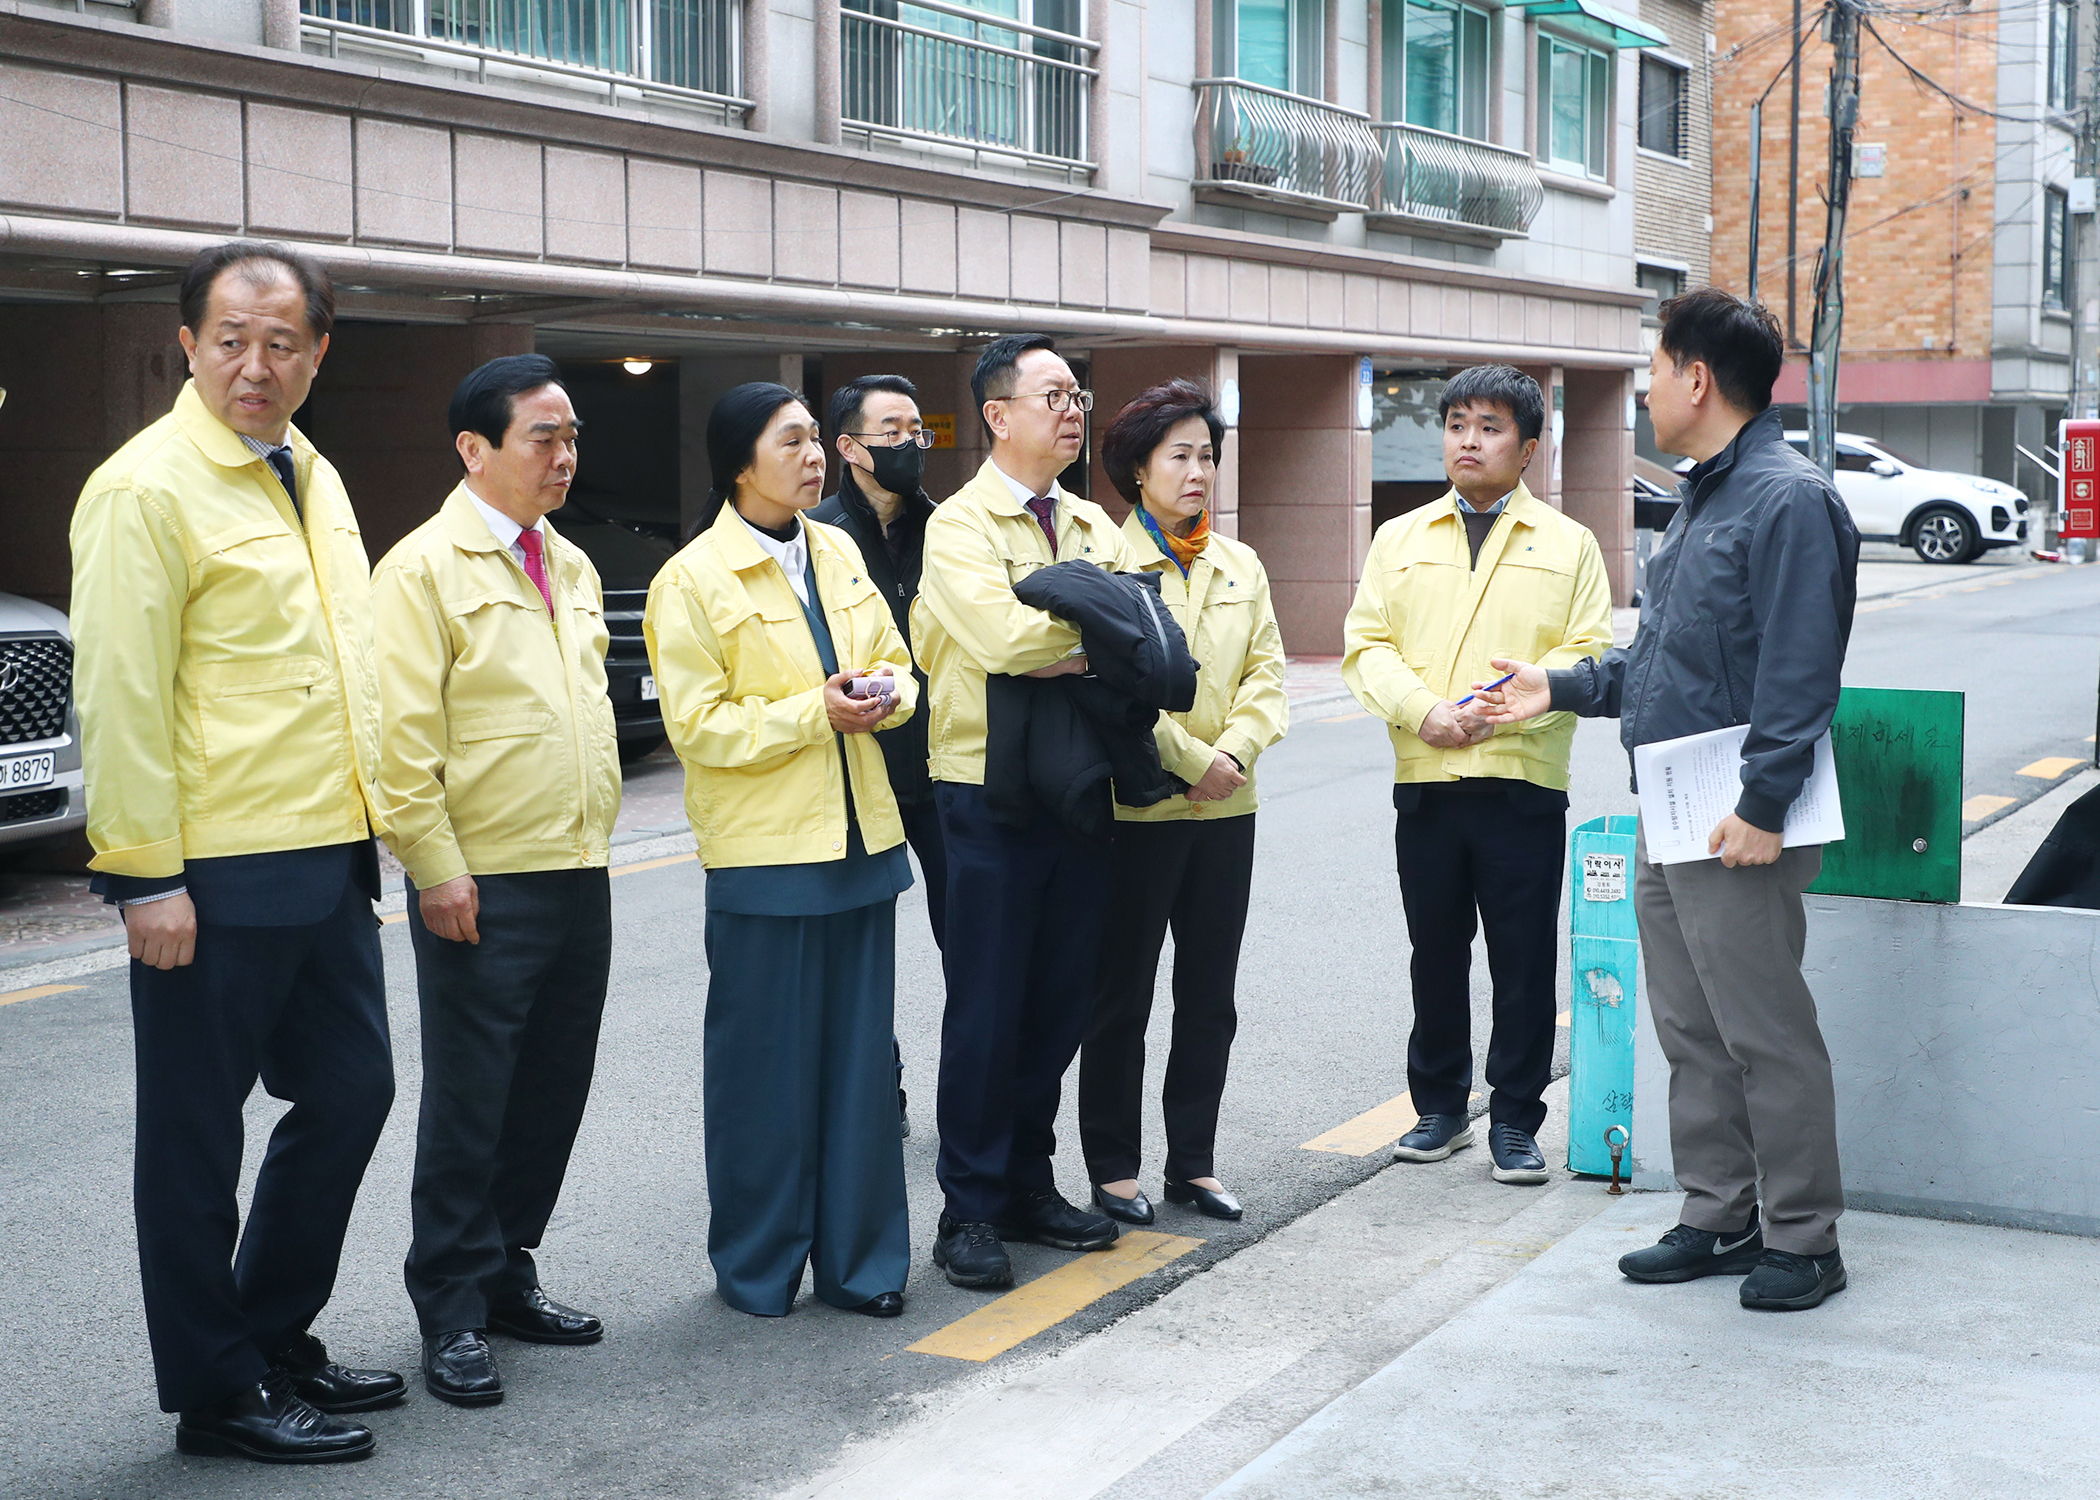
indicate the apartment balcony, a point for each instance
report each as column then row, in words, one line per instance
column 1448, row 186
column 681, row 52
column 1258, row 146
column 952, row 81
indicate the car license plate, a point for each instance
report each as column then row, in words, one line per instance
column 26, row 772
column 648, row 689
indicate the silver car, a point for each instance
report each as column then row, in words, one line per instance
column 42, row 792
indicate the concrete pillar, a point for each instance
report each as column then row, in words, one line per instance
column 280, row 19
column 1119, row 375
column 1305, row 489
column 1225, row 380
column 1596, row 467
column 827, row 80
column 1543, row 477
column 758, row 65
column 944, row 392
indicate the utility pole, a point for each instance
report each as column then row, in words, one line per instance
column 1793, row 182
column 1757, row 187
column 1828, row 331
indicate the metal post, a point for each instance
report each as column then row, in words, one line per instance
column 1757, row 152
column 1827, row 335
column 1793, row 182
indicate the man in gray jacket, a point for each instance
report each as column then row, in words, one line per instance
column 1748, row 609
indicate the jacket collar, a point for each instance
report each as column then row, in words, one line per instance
column 463, row 525
column 1765, row 427
column 852, row 499
column 220, row 443
column 990, row 485
column 1523, row 507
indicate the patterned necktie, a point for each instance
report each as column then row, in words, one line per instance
column 535, row 564
column 280, row 462
column 1043, row 508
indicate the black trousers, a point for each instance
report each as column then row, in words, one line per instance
column 922, row 830
column 1024, row 939
column 510, row 1038
column 1486, row 851
column 303, row 1008
column 1193, row 876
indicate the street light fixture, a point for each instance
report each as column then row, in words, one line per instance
column 637, row 366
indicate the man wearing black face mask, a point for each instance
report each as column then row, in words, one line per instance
column 881, row 504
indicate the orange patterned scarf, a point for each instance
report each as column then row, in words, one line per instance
column 1181, row 549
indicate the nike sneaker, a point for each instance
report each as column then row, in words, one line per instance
column 1686, row 1254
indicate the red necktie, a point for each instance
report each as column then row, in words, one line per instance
column 536, row 565
column 1043, row 508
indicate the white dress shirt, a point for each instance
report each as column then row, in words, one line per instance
column 505, row 530
column 793, row 556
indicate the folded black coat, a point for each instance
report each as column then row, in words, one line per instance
column 1063, row 744
column 2065, row 871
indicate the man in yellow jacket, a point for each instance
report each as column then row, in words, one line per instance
column 1024, row 904
column 1481, row 827
column 499, row 779
column 230, row 730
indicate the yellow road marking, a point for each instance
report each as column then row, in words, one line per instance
column 399, row 916
column 1345, row 718
column 1048, row 1300
column 2049, row 767
column 38, row 992
column 655, row 864
column 1376, row 1127
column 1983, row 807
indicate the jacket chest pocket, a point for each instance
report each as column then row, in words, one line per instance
column 271, row 731
column 476, row 727
column 1220, row 635
column 767, row 650
column 1540, row 594
column 489, row 630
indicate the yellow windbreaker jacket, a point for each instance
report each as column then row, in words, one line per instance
column 1426, row 624
column 742, row 695
column 223, row 651
column 967, row 623
column 1224, row 610
column 499, row 753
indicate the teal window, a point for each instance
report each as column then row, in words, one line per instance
column 1278, row 44
column 1574, row 94
column 1434, row 66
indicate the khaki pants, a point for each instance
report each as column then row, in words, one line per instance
column 1753, row 1113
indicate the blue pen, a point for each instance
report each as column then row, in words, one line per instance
column 1461, row 703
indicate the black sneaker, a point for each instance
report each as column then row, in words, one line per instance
column 1434, row 1138
column 1786, row 1282
column 970, row 1255
column 1046, row 1218
column 1686, row 1254
column 1516, row 1156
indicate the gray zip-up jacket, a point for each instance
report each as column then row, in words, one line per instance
column 1747, row 613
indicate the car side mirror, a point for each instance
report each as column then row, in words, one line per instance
column 1884, row 468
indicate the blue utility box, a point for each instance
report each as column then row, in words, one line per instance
column 1604, row 955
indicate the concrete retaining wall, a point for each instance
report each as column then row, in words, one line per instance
column 1966, row 1046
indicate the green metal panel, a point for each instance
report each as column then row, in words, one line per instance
column 1899, row 779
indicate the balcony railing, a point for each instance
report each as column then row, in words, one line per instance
column 934, row 73
column 684, row 50
column 1446, row 179
column 1296, row 152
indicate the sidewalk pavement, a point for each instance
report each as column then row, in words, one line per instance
column 1960, row 1361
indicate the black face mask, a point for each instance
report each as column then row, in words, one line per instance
column 898, row 469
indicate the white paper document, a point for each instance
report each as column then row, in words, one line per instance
column 1689, row 785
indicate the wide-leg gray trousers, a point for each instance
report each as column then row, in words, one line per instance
column 1753, row 1113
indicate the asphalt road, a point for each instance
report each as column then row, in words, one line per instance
column 687, row 1397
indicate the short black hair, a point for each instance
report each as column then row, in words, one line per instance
column 735, row 424
column 486, row 399
column 1739, row 341
column 1505, row 386
column 848, row 399
column 994, row 375
column 1139, row 428
column 204, row 272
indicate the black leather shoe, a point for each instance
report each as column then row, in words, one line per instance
column 882, row 1305
column 458, row 1367
column 1211, row 1205
column 1045, row 1218
column 537, row 1318
column 327, row 1386
column 970, row 1255
column 1136, row 1209
column 270, row 1424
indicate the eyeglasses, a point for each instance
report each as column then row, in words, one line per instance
column 923, row 438
column 1056, row 400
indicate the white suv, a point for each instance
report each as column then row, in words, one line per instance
column 1943, row 517
column 40, row 781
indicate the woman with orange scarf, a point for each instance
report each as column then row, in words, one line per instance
column 1187, row 862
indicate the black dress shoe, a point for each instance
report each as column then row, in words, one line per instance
column 1211, row 1205
column 1136, row 1209
column 1045, row 1218
column 270, row 1424
column 537, row 1318
column 881, row 1305
column 327, row 1386
column 458, row 1367
column 970, row 1254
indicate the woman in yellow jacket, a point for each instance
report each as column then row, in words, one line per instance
column 1185, row 863
column 775, row 657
